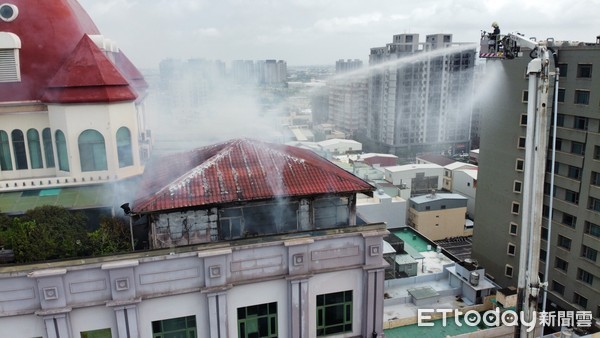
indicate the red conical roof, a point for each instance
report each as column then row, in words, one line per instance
column 88, row 76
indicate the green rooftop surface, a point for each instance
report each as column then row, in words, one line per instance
column 411, row 238
column 435, row 331
column 90, row 196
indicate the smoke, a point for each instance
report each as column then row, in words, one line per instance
column 194, row 106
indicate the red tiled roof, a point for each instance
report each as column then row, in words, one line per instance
column 88, row 76
column 240, row 170
column 133, row 75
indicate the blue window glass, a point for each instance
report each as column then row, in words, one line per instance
column 92, row 151
column 61, row 151
column 48, row 150
column 18, row 141
column 124, row 147
column 5, row 159
column 35, row 151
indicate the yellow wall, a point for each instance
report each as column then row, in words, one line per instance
column 440, row 224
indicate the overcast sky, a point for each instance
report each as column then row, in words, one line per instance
column 308, row 32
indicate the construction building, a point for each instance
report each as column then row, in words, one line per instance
column 417, row 92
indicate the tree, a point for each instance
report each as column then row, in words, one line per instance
column 111, row 237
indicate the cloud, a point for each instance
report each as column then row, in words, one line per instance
column 207, row 32
column 347, row 24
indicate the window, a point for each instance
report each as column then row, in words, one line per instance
column 543, row 254
column 582, row 97
column 544, row 233
column 584, row 70
column 124, row 147
column 92, row 152
column 594, row 204
column 18, row 142
column 574, row 172
column 519, row 164
column 592, row 229
column 508, row 270
column 515, row 208
column 561, row 95
column 525, row 96
column 5, row 158
column 510, row 249
column 558, row 288
column 182, row 327
column 579, row 300
column 61, row 151
column 561, row 264
column 589, row 253
column 512, row 228
column 596, row 152
column 560, row 120
column 569, row 220
column 48, row 151
column 517, row 186
column 35, row 152
column 102, row 333
column 580, row 123
column 10, row 69
column 523, row 119
column 563, row 69
column 595, row 180
column 334, row 313
column 558, row 146
column 577, row 148
column 585, row 276
column 521, row 143
column 571, row 196
column 564, row 242
column 257, row 321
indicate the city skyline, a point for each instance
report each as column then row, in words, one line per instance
column 313, row 32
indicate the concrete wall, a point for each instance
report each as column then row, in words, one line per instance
column 439, row 224
column 465, row 185
column 127, row 293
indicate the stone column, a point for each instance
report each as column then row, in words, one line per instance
column 299, row 308
column 373, row 307
column 57, row 325
column 217, row 312
column 127, row 321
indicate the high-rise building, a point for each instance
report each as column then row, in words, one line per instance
column 574, row 236
column 417, row 95
column 348, row 95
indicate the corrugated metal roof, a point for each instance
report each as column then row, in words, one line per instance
column 240, row 170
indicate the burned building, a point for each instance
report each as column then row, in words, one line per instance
column 250, row 239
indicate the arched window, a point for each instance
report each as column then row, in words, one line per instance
column 18, row 142
column 5, row 159
column 48, row 150
column 61, row 151
column 35, row 152
column 92, row 151
column 124, row 147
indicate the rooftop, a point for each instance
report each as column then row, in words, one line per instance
column 437, row 196
column 240, row 170
column 409, row 167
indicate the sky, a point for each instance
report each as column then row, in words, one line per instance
column 319, row 32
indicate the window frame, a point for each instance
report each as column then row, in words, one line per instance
column 322, row 324
column 257, row 315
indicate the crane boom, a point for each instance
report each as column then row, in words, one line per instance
column 538, row 70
